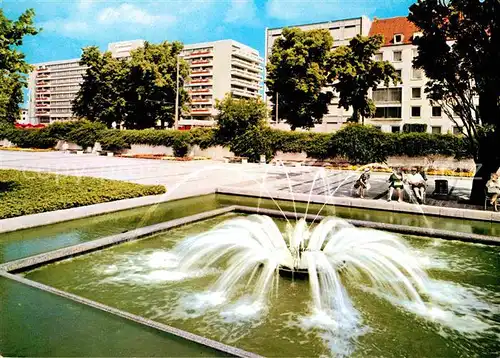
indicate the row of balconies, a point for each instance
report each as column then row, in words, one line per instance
column 198, row 54
column 254, row 85
column 200, row 73
column 243, row 93
column 247, row 55
column 201, row 62
column 250, row 65
column 246, row 74
column 201, row 90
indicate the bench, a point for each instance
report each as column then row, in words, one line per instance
column 242, row 160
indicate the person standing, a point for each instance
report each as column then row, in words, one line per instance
column 396, row 183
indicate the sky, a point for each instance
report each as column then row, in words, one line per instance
column 69, row 25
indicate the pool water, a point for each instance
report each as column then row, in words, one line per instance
column 139, row 277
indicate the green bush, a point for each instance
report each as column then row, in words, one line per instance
column 86, row 134
column 253, row 143
column 111, row 140
column 25, row 192
column 181, row 144
column 360, row 144
column 31, row 138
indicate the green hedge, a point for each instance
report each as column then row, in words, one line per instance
column 356, row 143
column 25, row 192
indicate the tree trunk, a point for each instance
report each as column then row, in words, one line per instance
column 486, row 164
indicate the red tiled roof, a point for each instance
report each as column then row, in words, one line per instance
column 393, row 26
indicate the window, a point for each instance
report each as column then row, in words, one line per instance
column 436, row 111
column 416, row 93
column 416, row 73
column 415, row 111
column 400, row 74
column 397, row 56
column 436, row 130
column 396, row 129
column 398, row 38
column 457, row 130
column 388, row 112
column 387, row 95
column 379, row 56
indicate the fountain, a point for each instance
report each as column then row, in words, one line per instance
column 253, row 251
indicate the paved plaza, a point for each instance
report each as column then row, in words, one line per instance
column 188, row 178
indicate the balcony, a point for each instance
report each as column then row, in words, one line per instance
column 201, row 63
column 42, row 99
column 42, row 75
column 243, row 93
column 200, row 73
column 250, row 75
column 254, row 85
column 198, row 54
column 249, row 65
column 247, row 55
column 202, row 90
column 197, row 82
column 42, row 69
column 41, row 105
column 39, row 90
column 201, row 111
column 201, row 100
column 42, row 113
column 43, row 83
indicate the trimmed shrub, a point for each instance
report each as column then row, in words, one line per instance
column 359, row 144
column 253, row 143
column 181, row 145
column 111, row 140
column 86, row 134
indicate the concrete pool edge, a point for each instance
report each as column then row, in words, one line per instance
column 367, row 204
column 220, row 347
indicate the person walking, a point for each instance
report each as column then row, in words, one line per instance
column 362, row 184
column 493, row 189
column 396, row 183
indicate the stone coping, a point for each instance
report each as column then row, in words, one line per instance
column 220, row 347
column 57, row 216
column 467, row 214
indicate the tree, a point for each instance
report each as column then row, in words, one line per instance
column 151, row 92
column 356, row 72
column 297, row 74
column 100, row 97
column 459, row 52
column 13, row 66
column 236, row 116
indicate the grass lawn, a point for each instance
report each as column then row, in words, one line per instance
column 25, row 192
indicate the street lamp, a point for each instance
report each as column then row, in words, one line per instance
column 176, row 119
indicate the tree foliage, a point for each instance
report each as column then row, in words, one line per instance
column 356, row 72
column 459, row 51
column 139, row 92
column 297, row 73
column 236, row 116
column 152, row 85
column 13, row 66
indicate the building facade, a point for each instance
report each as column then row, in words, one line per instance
column 342, row 32
column 52, row 86
column 397, row 105
column 123, row 49
column 218, row 68
column 404, row 103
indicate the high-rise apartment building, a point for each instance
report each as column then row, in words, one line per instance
column 52, row 86
column 218, row 68
column 342, row 32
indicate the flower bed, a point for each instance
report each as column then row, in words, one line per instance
column 16, row 149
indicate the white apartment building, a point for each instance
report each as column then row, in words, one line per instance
column 218, row 68
column 342, row 32
column 405, row 103
column 397, row 105
column 123, row 49
column 52, row 86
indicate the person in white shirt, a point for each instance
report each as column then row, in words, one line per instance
column 417, row 184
